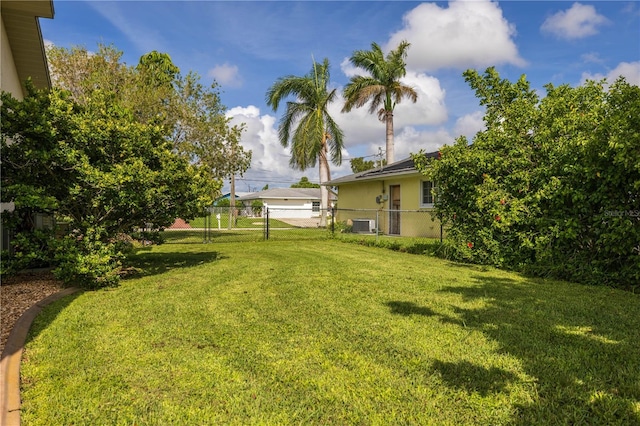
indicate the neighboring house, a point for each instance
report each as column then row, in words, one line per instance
column 396, row 190
column 288, row 203
column 22, row 56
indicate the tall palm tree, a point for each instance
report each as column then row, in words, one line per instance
column 306, row 124
column 382, row 86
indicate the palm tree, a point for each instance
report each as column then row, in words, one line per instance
column 307, row 125
column 382, row 86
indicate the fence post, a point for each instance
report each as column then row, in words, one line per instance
column 206, row 219
column 266, row 226
column 333, row 221
column 377, row 225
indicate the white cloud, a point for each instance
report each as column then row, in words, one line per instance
column 468, row 125
column 579, row 21
column 592, row 57
column 269, row 159
column 465, row 34
column 430, row 107
column 226, row 74
column 363, row 132
column 411, row 140
column 360, row 127
column 629, row 70
column 348, row 69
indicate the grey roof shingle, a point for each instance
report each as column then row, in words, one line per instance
column 405, row 166
column 285, row 193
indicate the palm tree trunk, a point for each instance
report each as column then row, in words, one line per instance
column 324, row 177
column 388, row 118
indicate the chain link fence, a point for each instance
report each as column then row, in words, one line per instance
column 229, row 224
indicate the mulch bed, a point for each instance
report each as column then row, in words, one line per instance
column 19, row 293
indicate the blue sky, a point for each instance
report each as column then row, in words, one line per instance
column 247, row 45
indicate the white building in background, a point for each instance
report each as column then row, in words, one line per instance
column 288, row 203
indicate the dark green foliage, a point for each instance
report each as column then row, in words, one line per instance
column 256, row 207
column 359, row 164
column 226, row 202
column 86, row 260
column 148, row 237
column 97, row 166
column 29, row 250
column 304, row 183
column 551, row 187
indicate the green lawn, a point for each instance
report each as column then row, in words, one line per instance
column 242, row 222
column 326, row 332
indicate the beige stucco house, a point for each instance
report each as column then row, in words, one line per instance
column 22, row 56
column 399, row 195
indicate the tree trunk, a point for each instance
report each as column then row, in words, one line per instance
column 324, row 177
column 388, row 118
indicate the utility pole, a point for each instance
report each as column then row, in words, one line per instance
column 380, row 156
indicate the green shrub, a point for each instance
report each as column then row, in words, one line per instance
column 550, row 187
column 86, row 261
column 33, row 249
column 342, row 227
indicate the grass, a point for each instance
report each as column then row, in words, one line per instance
column 324, row 332
column 242, row 222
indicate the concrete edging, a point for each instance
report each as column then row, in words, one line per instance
column 12, row 355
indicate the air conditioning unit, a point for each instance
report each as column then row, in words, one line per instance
column 364, row 225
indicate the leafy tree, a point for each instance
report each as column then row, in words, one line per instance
column 226, row 202
column 152, row 95
column 381, row 87
column 95, row 165
column 264, row 188
column 304, row 183
column 306, row 125
column 256, row 207
column 551, row 186
column 359, row 164
column 191, row 115
column 202, row 132
column 81, row 72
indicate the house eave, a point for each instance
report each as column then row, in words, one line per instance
column 20, row 19
column 382, row 176
column 402, row 168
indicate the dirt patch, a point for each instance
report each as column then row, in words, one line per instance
column 19, row 293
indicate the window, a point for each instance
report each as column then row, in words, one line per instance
column 427, row 198
column 315, row 206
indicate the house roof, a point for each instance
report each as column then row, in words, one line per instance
column 20, row 21
column 285, row 193
column 237, row 195
column 399, row 168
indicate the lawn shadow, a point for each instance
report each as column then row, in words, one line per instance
column 473, row 378
column 580, row 348
column 200, row 236
column 45, row 313
column 151, row 263
column 408, row 309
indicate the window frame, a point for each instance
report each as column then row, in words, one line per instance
column 422, row 194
